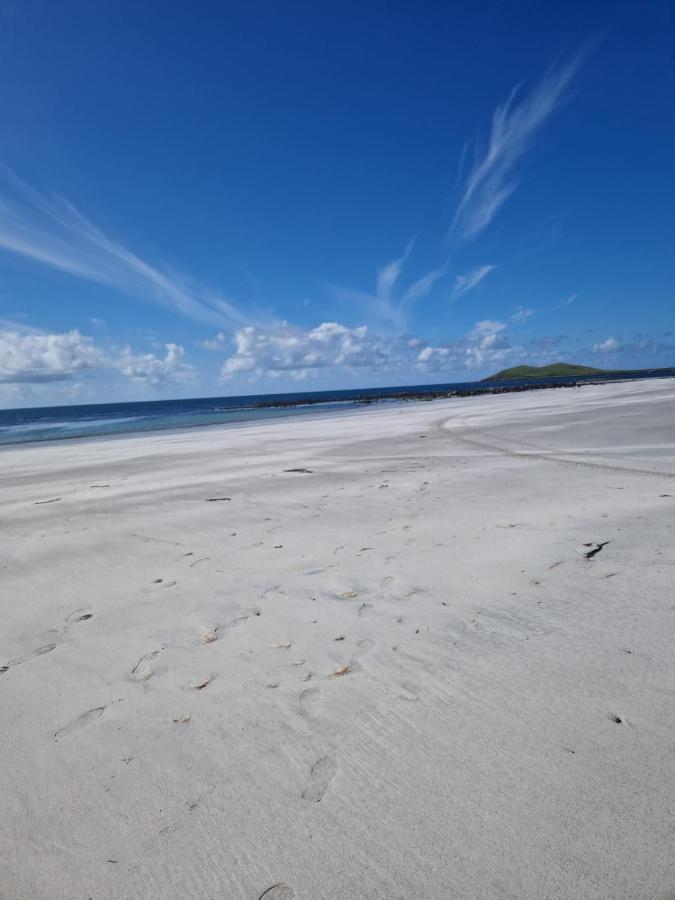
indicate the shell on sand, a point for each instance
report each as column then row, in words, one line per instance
column 341, row 670
column 208, row 637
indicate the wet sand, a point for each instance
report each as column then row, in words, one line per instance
column 408, row 652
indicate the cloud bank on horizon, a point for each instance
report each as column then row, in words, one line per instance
column 445, row 308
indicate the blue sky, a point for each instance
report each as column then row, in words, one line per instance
column 240, row 198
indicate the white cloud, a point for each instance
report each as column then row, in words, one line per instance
column 389, row 275
column 491, row 179
column 297, row 353
column 34, row 357
column 219, row 342
column 433, row 354
column 155, row 370
column 29, row 357
column 390, row 305
column 522, row 314
column 487, row 327
column 470, row 280
column 566, row 302
column 608, row 346
column 50, row 230
column 423, row 286
column 300, row 354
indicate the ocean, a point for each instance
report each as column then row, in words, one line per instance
column 24, row 426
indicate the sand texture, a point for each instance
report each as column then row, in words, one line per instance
column 423, row 651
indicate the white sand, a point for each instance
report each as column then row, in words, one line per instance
column 472, row 750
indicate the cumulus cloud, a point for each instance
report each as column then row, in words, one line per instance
column 433, row 355
column 298, row 353
column 34, row 357
column 491, row 179
column 156, row 370
column 336, row 349
column 30, row 357
column 611, row 345
column 470, row 280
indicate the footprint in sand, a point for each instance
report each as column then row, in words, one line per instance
column 158, row 586
column 277, row 892
column 363, row 647
column 39, row 651
column 309, row 700
column 222, row 630
column 323, row 772
column 84, row 719
column 79, row 615
column 142, row 671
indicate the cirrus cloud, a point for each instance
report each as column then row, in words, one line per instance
column 491, row 179
column 470, row 280
column 522, row 314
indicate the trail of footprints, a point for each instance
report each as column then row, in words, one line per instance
column 17, row 661
column 77, row 615
column 325, row 768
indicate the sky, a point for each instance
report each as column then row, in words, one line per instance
column 210, row 199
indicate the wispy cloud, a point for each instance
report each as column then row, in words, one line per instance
column 491, row 179
column 389, row 275
column 18, row 327
column 469, row 280
column 48, row 229
column 391, row 305
column 566, row 302
column 423, row 285
column 522, row 314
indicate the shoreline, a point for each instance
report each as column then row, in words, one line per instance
column 342, row 406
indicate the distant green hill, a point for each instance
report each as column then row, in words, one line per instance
column 545, row 371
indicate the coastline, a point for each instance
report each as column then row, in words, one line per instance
column 15, row 424
column 188, row 733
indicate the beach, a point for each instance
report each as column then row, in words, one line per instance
column 416, row 651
